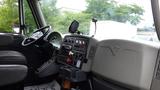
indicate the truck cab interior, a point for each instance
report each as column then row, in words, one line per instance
column 40, row 55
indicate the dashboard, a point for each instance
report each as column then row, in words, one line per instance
column 73, row 57
column 73, row 51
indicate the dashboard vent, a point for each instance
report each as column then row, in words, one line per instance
column 92, row 52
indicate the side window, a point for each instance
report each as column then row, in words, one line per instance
column 9, row 17
column 9, row 20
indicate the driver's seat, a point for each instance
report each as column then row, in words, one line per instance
column 13, row 68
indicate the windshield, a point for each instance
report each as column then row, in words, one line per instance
column 116, row 19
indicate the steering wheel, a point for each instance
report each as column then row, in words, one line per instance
column 35, row 36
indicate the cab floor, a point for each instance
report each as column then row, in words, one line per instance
column 48, row 86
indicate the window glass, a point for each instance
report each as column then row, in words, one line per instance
column 117, row 19
column 9, row 16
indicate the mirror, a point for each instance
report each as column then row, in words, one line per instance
column 74, row 26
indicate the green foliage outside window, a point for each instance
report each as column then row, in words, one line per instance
column 60, row 21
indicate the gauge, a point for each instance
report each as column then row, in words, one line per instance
column 55, row 39
column 37, row 35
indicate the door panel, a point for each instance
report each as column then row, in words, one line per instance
column 128, row 62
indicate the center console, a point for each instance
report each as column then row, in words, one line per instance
column 72, row 56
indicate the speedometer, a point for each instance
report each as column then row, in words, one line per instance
column 55, row 39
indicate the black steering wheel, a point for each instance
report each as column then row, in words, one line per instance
column 35, row 36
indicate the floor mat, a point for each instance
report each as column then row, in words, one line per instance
column 49, row 86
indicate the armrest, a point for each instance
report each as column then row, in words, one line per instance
column 12, row 57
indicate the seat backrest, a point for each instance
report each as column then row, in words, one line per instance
column 128, row 62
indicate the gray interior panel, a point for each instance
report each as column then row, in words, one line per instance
column 156, row 78
column 155, row 84
column 10, row 74
column 128, row 62
column 99, row 84
column 90, row 54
